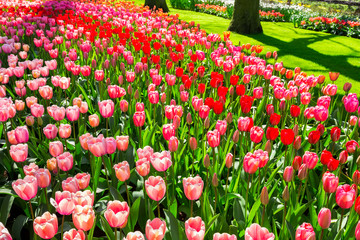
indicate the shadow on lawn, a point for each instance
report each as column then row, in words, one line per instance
column 299, row 47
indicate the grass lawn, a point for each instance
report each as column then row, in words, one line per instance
column 314, row 52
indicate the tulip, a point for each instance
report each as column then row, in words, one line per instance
column 356, row 177
column 22, row 134
column 173, row 144
column 324, row 218
column 94, row 120
column 83, row 180
column 26, row 188
column 50, row 131
column 63, row 202
column 224, row 236
column 155, row 229
column 155, row 188
column 46, row 226
column 122, row 171
column 135, row 236
column 122, row 143
column 351, row 146
column 305, row 232
column 345, row 196
column 73, row 234
column 19, row 152
column 161, row 161
column 255, row 232
column 117, row 213
column 139, row 119
column 43, row 177
column 4, row 233
column 251, row 163
column 310, row 159
column 264, row 196
column 288, row 174
column 73, row 113
column 193, row 187
column 106, row 108
column 168, row 131
column 65, row 161
column 110, row 145
column 195, row 228
column 330, row 182
column 56, row 148
column 213, row 138
column 357, row 231
column 143, row 167
column 70, row 184
column 97, row 146
column 83, row 217
column 287, row 136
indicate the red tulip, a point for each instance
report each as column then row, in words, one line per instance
column 314, row 137
column 287, row 136
column 275, row 119
column 295, row 111
column 256, row 134
column 272, row 133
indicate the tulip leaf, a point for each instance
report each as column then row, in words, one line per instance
column 6, row 204
column 176, row 232
column 290, row 229
column 85, row 95
column 91, row 231
column 17, row 226
column 106, row 228
column 134, row 214
column 210, row 223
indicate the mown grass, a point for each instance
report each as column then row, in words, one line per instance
column 314, row 52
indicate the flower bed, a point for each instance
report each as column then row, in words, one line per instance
column 116, row 120
column 332, row 25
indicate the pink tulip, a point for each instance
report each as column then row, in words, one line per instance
column 122, row 171
column 155, row 229
column 251, row 163
column 117, row 213
column 143, row 167
column 22, row 134
column 256, row 232
column 357, row 231
column 56, row 148
column 11, row 137
column 324, row 218
column 26, row 188
column 135, row 236
column 63, row 203
column 43, row 177
column 213, row 138
column 310, row 159
column 94, row 120
column 245, row 124
column 155, row 187
column 161, row 161
column 46, row 92
column 122, row 143
column 256, row 134
column 30, row 169
column 345, row 195
column 83, row 180
column 195, row 228
column 73, row 234
column 4, row 233
column 173, row 144
column 168, row 131
column 64, row 83
column 330, row 182
column 37, row 110
column 305, row 232
column 204, row 111
column 221, row 126
column 83, row 217
column 97, row 146
column 65, row 161
column 351, row 146
column 72, row 113
column 106, row 108
column 46, row 226
column 139, row 119
column 58, row 113
column 288, row 174
column 70, row 184
column 193, row 187
column 50, row 131
column 124, row 105
column 19, row 152
column 64, row 131
column 146, row 152
column 110, row 145
column 224, row 236
column 153, row 97
column 83, row 198
column 351, row 102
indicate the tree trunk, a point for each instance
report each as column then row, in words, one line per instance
column 157, row 4
column 245, row 18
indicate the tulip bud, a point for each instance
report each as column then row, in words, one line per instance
column 229, row 118
column 358, row 160
column 343, row 156
column 347, row 86
column 324, row 218
column 207, row 123
column 356, row 177
column 206, row 161
column 296, row 129
column 231, row 91
column 188, row 118
column 282, row 105
column 215, row 181
column 129, row 89
column 236, row 136
column 39, row 121
column 193, row 143
column 268, row 146
column 297, row 143
column 163, row 88
column 136, row 95
column 286, row 194
column 163, row 98
column 229, row 160
column 297, row 163
column 121, row 80
column 30, row 120
column 288, row 173
column 302, row 174
column 264, row 196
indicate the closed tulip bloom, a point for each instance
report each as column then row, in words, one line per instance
column 64, row 131
column 65, row 161
column 63, row 202
column 305, row 232
column 224, row 236
column 84, row 107
column 97, row 146
column 56, row 148
column 58, row 113
column 288, row 174
column 110, row 145
column 83, row 180
column 245, row 124
column 302, row 174
column 168, row 131
column 324, row 218
column 173, row 144
column 357, row 231
column 19, row 152
column 143, row 167
column 264, row 196
column 221, row 126
column 335, row 134
column 314, row 137
column 122, row 143
column 11, row 137
column 256, row 232
column 161, row 161
column 356, row 177
column 139, row 119
column 251, row 163
column 153, row 97
column 229, row 160
column 50, row 131
column 22, row 134
column 310, row 159
column 83, row 198
column 351, row 146
column 155, row 229
column 155, row 187
column 72, row 113
column 345, row 196
column 64, row 83
column 195, row 228
column 70, row 184
column 117, row 213
column 4, row 233
column 106, row 108
column 94, row 120
column 124, row 105
column 43, row 177
column 26, row 188
column 73, row 234
column 83, row 140
column 330, row 182
column 30, row 120
column 37, row 110
column 122, row 171
column 193, row 143
column 213, row 138
column 83, row 217
column 272, row 133
column 274, row 119
column 46, row 226
column 287, row 136
column 135, row 236
column 351, row 102
column 193, row 187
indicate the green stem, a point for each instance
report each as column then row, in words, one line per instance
column 263, row 216
column 47, row 200
column 31, row 211
column 322, row 234
column 191, row 208
column 158, row 208
column 106, row 174
column 62, row 226
column 341, row 219
column 127, row 193
column 115, row 229
column 246, row 198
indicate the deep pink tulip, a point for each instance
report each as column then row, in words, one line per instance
column 37, row 110
column 4, row 233
column 106, row 108
column 351, row 102
column 330, row 182
column 22, row 134
column 139, row 119
column 310, row 159
column 251, row 163
column 324, row 218
column 345, row 196
column 305, row 232
column 221, row 126
column 245, row 124
column 97, row 146
column 168, row 131
column 256, row 232
column 173, row 144
column 357, row 231
column 213, row 138
column 256, row 134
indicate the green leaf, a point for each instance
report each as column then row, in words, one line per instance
column 17, row 226
column 107, row 229
column 290, row 229
column 5, row 208
column 134, row 213
column 210, row 223
column 176, row 232
column 91, row 231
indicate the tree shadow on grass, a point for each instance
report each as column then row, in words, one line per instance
column 299, row 47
